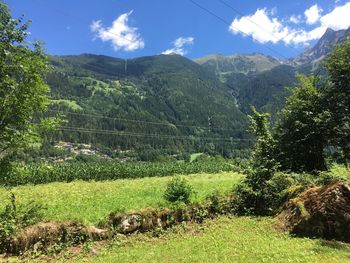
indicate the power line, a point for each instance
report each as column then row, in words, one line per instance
column 230, row 25
column 142, row 122
column 149, row 135
column 251, row 20
column 203, row 8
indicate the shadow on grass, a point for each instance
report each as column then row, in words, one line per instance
column 324, row 246
column 334, row 245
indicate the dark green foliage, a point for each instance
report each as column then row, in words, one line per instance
column 336, row 99
column 13, row 219
column 267, row 90
column 254, row 192
column 300, row 132
column 178, row 190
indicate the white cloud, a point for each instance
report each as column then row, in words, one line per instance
column 180, row 45
column 295, row 19
column 338, row 18
column 120, row 34
column 260, row 26
column 313, row 14
column 264, row 27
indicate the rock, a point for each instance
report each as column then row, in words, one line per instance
column 93, row 252
column 130, row 223
column 97, row 233
column 322, row 212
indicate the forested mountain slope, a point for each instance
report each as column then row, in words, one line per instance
column 166, row 95
column 261, row 81
column 170, row 102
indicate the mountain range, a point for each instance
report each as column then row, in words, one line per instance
column 173, row 103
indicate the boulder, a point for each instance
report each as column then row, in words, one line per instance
column 322, row 212
column 130, row 223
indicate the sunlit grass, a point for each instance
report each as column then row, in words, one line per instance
column 341, row 171
column 88, row 202
column 236, row 239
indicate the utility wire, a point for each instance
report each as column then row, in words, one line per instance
column 251, row 20
column 162, row 136
column 142, row 122
column 229, row 24
column 201, row 7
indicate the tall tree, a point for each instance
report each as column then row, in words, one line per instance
column 23, row 92
column 254, row 194
column 300, row 132
column 336, row 98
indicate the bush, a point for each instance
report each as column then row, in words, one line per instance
column 178, row 190
column 220, row 204
column 265, row 198
column 13, row 218
column 325, row 177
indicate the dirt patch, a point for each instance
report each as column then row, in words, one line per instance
column 322, row 212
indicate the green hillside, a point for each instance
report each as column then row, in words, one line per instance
column 171, row 100
column 255, row 80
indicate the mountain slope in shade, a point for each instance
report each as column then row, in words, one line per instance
column 261, row 81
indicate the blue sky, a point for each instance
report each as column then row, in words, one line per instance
column 133, row 28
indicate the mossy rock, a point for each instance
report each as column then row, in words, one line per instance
column 322, row 212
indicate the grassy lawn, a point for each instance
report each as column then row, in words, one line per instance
column 236, row 239
column 88, row 202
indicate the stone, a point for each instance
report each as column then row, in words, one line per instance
column 130, row 224
column 322, row 212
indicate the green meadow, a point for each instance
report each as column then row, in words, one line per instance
column 225, row 239
column 88, row 202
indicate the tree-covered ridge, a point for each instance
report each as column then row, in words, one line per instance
column 260, row 81
column 165, row 95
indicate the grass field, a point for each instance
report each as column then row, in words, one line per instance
column 236, row 239
column 226, row 239
column 88, row 202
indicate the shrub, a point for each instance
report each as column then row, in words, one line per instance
column 325, row 177
column 263, row 199
column 178, row 190
column 13, row 218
